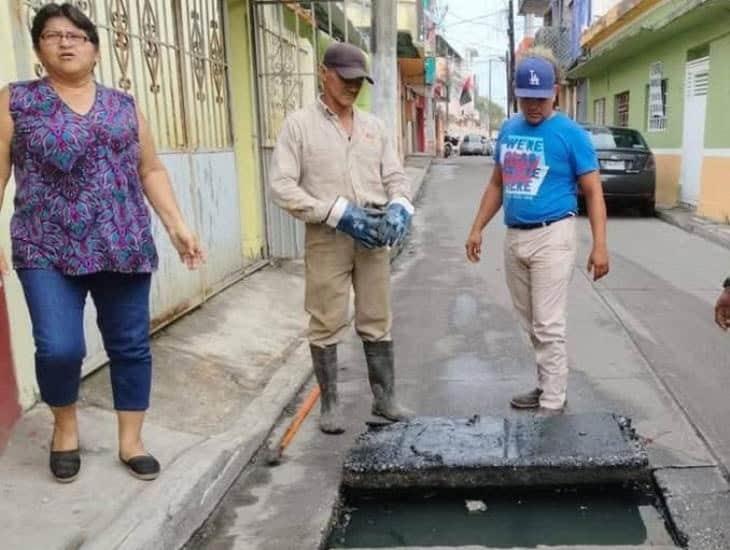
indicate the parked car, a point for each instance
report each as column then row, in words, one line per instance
column 473, row 144
column 627, row 166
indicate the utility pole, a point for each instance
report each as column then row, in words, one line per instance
column 448, row 91
column 431, row 146
column 507, row 62
column 489, row 97
column 511, row 69
column 385, row 65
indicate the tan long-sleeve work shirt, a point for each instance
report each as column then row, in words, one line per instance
column 315, row 162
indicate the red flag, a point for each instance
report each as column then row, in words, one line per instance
column 466, row 91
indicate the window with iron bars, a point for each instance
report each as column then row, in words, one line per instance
column 290, row 40
column 170, row 55
column 657, row 122
column 599, row 111
column 621, row 116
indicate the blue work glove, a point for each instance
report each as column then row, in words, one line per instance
column 360, row 223
column 396, row 222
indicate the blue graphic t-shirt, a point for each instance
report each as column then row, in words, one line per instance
column 540, row 167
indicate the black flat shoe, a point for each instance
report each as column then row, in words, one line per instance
column 65, row 465
column 144, row 467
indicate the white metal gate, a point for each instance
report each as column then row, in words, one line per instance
column 697, row 85
column 290, row 38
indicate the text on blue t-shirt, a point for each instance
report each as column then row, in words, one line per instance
column 540, row 166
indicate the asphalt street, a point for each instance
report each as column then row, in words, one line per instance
column 642, row 343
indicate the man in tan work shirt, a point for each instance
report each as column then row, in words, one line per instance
column 335, row 169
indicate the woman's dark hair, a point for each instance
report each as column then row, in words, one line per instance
column 70, row 12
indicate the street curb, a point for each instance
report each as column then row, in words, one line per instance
column 666, row 215
column 167, row 513
column 689, row 496
column 419, row 185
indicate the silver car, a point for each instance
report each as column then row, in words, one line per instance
column 473, row 144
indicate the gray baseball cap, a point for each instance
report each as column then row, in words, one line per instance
column 348, row 60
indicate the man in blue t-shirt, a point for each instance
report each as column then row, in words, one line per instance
column 541, row 158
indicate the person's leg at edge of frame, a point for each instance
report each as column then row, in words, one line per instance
column 517, row 276
column 373, row 322
column 56, row 305
column 122, row 303
column 328, row 263
column 553, row 265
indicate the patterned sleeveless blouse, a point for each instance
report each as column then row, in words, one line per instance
column 79, row 206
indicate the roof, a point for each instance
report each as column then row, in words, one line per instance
column 444, row 49
column 658, row 26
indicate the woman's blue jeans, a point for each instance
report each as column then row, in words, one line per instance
column 56, row 303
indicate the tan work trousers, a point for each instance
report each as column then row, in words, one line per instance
column 538, row 267
column 334, row 264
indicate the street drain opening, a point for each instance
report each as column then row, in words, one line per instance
column 504, row 518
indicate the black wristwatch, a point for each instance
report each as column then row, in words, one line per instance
column 726, row 283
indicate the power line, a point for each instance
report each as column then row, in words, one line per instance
column 479, row 46
column 484, row 16
column 473, row 19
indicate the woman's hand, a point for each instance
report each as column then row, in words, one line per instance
column 474, row 246
column 4, row 266
column 187, row 246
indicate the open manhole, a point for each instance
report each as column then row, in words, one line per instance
column 573, row 480
column 610, row 516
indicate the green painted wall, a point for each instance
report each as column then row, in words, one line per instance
column 632, row 74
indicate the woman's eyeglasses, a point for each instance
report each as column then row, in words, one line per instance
column 56, row 37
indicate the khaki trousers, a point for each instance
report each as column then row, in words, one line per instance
column 538, row 267
column 335, row 263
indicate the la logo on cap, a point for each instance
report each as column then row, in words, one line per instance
column 534, row 79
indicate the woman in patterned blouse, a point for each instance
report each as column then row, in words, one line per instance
column 84, row 161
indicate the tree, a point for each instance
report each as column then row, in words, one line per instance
column 488, row 110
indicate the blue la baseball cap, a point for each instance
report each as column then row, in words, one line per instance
column 534, row 77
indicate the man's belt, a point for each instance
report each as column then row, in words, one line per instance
column 540, row 224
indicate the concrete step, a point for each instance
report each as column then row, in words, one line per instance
column 497, row 452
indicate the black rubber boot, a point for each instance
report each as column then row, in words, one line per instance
column 379, row 356
column 324, row 361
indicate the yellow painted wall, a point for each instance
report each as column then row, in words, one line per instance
column 408, row 17
column 405, row 10
column 20, row 329
column 667, row 178
column 715, row 196
column 359, row 15
column 245, row 129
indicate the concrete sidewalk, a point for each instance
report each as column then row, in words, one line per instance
column 222, row 375
column 686, row 219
